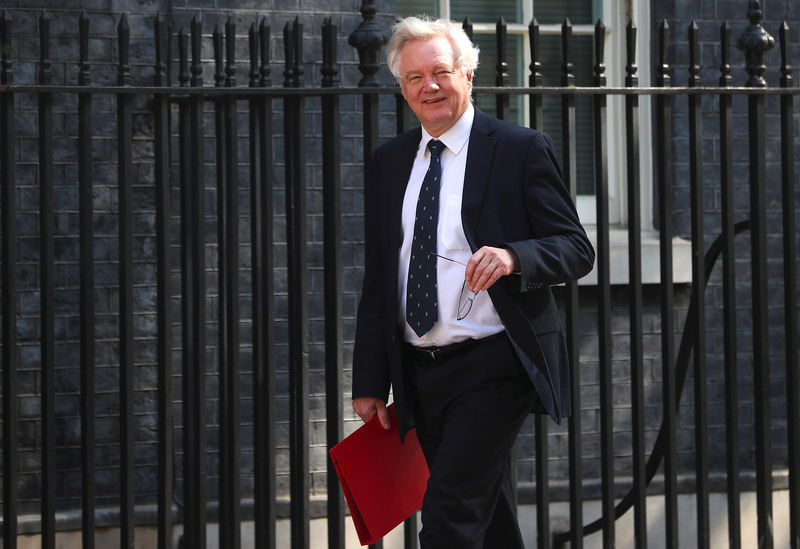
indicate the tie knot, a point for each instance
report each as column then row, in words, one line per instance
column 436, row 147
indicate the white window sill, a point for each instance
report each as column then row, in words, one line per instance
column 651, row 260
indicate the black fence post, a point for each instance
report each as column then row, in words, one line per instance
column 126, row 353
column 635, row 293
column 294, row 126
column 47, row 270
column 755, row 42
column 194, row 295
column 502, row 77
column 332, row 259
column 664, row 175
column 569, row 163
column 729, row 293
column 789, row 284
column 263, row 310
column 87, row 301
column 603, row 291
column 228, row 245
column 698, row 290
column 162, row 157
column 535, row 77
column 8, row 286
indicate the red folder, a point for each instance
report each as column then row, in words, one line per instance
column 383, row 480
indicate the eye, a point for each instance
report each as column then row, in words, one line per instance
column 413, row 79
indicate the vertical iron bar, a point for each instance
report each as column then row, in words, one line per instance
column 501, row 78
column 568, row 158
column 635, row 292
column 698, row 291
column 604, row 292
column 223, row 344
column 760, row 321
column 468, row 27
column 221, row 151
column 663, row 128
column 8, row 281
column 126, row 360
column 729, row 295
column 332, row 257
column 256, row 272
column 194, row 281
column 161, row 145
column 294, row 108
column 543, row 540
column 87, row 344
column 46, row 235
column 790, row 286
column 755, row 42
column 231, row 502
column 264, row 334
column 187, row 310
column 535, row 78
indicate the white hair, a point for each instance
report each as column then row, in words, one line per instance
column 417, row 28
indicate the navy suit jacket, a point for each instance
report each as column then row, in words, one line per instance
column 514, row 196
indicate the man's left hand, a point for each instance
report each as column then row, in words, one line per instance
column 487, row 265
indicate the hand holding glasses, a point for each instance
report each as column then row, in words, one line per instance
column 465, row 299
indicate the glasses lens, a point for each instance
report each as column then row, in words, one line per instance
column 465, row 302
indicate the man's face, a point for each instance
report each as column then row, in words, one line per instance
column 436, row 91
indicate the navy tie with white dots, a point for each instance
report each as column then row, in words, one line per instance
column 421, row 300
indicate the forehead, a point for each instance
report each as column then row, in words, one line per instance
column 416, row 55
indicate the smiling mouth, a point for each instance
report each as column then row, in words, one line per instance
column 433, row 101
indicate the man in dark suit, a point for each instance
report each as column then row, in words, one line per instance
column 468, row 224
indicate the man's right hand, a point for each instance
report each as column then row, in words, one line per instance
column 369, row 407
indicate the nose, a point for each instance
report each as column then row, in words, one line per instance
column 431, row 83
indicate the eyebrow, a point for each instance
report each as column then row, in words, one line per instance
column 436, row 68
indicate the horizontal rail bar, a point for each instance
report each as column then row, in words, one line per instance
column 246, row 93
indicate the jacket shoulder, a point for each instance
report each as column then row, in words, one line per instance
column 404, row 141
column 507, row 130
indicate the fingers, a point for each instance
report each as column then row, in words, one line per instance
column 383, row 415
column 486, row 266
column 368, row 407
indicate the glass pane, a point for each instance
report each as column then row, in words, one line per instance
column 582, row 56
column 486, row 12
column 554, row 11
column 406, row 8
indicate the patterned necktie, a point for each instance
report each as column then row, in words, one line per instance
column 421, row 301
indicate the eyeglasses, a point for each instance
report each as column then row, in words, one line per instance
column 465, row 299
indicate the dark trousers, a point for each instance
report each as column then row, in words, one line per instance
column 469, row 408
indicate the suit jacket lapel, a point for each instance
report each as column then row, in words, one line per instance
column 395, row 178
column 476, row 177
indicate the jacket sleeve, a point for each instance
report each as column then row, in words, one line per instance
column 560, row 250
column 370, row 365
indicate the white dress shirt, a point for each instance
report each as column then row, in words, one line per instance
column 482, row 320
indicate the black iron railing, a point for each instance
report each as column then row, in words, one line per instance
column 181, row 124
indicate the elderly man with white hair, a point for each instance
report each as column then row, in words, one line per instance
column 468, row 225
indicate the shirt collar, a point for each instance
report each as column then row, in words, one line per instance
column 456, row 137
